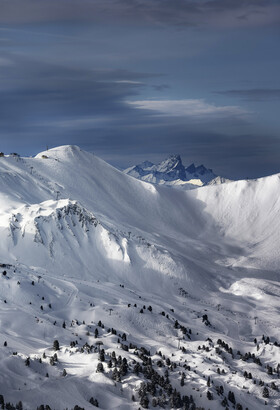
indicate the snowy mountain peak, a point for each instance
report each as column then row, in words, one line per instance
column 171, row 171
column 172, row 167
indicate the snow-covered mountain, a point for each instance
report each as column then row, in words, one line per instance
column 172, row 172
column 183, row 285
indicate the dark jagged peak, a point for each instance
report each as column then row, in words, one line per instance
column 191, row 169
column 202, row 170
column 201, row 173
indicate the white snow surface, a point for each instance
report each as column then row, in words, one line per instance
column 81, row 240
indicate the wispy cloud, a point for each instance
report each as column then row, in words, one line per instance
column 188, row 108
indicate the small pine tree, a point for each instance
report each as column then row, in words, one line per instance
column 100, row 368
column 265, row 393
column 19, row 406
column 144, row 402
column 231, row 397
column 102, row 355
column 2, row 401
column 94, row 402
column 209, row 395
column 56, row 345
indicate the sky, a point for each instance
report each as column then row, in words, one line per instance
column 134, row 80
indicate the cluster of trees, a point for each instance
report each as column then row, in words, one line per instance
column 9, row 406
column 225, row 346
column 249, row 356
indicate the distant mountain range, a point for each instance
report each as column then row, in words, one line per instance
column 171, row 171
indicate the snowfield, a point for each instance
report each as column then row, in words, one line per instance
column 157, row 296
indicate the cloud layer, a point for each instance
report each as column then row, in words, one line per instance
column 171, row 12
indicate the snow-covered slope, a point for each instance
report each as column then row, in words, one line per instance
column 82, row 242
column 172, row 172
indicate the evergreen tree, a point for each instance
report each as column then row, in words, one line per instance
column 265, row 393
column 2, row 401
column 209, row 395
column 116, row 375
column 102, row 355
column 144, row 402
column 100, row 368
column 231, row 397
column 94, row 402
column 56, row 345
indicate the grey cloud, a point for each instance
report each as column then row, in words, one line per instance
column 176, row 12
column 53, row 102
column 254, row 94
